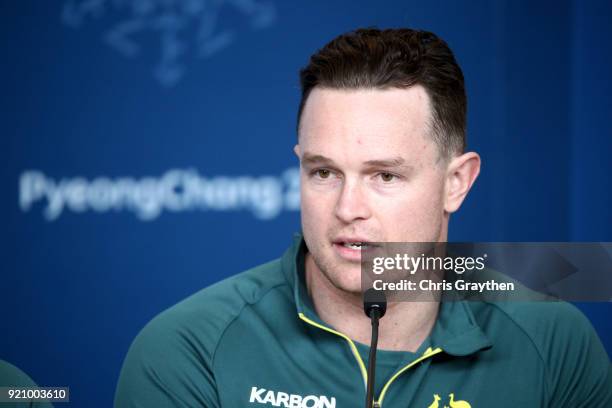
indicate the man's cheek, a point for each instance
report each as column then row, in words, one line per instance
column 316, row 205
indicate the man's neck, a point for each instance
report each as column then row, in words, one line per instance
column 405, row 325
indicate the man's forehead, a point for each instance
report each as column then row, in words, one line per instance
column 367, row 125
column 365, row 112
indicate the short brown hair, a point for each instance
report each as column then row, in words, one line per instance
column 395, row 58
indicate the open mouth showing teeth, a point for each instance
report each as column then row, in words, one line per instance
column 355, row 245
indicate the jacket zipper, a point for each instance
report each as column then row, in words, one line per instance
column 364, row 373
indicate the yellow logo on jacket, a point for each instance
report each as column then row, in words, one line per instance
column 451, row 402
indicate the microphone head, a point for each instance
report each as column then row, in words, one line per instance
column 374, row 299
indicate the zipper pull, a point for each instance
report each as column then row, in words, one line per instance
column 376, row 404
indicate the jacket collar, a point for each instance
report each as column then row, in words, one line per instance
column 456, row 330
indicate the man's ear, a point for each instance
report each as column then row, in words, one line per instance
column 461, row 175
column 297, row 150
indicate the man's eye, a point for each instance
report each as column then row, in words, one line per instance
column 387, row 177
column 323, row 173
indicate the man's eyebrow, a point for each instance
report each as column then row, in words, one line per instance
column 312, row 159
column 309, row 158
column 392, row 162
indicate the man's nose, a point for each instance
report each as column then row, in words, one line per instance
column 352, row 203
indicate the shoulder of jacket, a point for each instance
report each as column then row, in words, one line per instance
column 197, row 323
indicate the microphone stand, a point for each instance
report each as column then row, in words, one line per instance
column 374, row 306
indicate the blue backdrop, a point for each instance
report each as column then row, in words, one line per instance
column 147, row 151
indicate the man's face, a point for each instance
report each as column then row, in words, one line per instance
column 370, row 172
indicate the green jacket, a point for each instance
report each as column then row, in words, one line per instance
column 11, row 376
column 255, row 340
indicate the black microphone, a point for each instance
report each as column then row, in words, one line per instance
column 374, row 306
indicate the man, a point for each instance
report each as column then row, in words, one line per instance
column 381, row 138
column 12, row 377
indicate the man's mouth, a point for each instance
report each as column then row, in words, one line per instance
column 355, row 245
column 352, row 249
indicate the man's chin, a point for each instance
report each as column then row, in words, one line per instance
column 344, row 276
column 349, row 286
